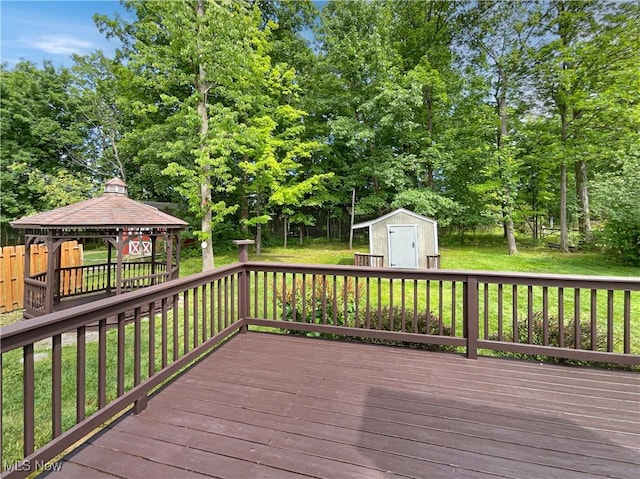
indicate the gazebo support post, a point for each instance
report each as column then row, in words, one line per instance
column 154, row 241
column 119, row 248
column 169, row 241
column 108, row 267
column 177, row 237
column 28, row 241
column 57, row 274
column 52, row 282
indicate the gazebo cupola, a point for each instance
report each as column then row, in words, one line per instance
column 115, row 185
column 114, row 218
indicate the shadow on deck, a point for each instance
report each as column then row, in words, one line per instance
column 266, row 405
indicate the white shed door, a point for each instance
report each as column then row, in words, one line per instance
column 403, row 246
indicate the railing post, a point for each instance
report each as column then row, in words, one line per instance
column 243, row 283
column 471, row 318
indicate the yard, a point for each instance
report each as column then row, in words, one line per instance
column 444, row 297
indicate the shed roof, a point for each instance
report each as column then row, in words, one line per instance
column 366, row 224
column 112, row 209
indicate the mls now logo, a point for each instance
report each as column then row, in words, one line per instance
column 33, row 466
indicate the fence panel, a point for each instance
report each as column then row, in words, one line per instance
column 12, row 270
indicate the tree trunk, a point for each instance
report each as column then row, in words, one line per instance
column 205, row 187
column 258, row 239
column 582, row 193
column 286, row 232
column 507, row 195
column 427, row 101
column 259, row 225
column 564, row 233
column 564, row 229
column 563, row 109
column 244, row 206
column 511, row 238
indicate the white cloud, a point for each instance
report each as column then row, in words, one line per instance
column 60, row 44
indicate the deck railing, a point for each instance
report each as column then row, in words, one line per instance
column 80, row 375
column 580, row 318
column 90, row 375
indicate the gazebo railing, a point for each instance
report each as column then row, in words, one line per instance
column 35, row 289
column 78, row 280
column 90, row 279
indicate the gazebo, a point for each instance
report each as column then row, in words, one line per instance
column 116, row 219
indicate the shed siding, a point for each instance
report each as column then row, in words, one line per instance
column 426, row 235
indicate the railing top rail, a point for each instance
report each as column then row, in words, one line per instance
column 113, row 265
column 27, row 332
column 536, row 279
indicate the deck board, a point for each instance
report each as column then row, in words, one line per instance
column 280, row 406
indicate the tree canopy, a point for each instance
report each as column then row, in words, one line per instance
column 262, row 116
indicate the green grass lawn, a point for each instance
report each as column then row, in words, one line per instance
column 478, row 256
column 481, row 255
column 483, row 252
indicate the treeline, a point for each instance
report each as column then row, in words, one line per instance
column 524, row 114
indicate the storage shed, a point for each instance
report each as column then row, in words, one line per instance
column 404, row 239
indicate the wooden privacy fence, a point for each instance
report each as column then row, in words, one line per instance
column 12, row 271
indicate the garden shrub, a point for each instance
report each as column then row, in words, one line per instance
column 425, row 323
column 310, row 308
column 537, row 336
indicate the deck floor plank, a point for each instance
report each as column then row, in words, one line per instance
column 279, row 406
column 546, row 434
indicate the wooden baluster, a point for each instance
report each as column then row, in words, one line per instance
column 102, row 363
column 28, row 388
column 81, row 371
column 121, row 355
column 594, row 320
column 56, row 385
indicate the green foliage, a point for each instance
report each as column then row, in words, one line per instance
column 618, row 197
column 61, row 188
column 310, row 307
column 427, row 202
column 418, row 322
column 463, row 112
column 537, row 330
column 42, row 139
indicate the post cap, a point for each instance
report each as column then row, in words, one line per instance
column 245, row 241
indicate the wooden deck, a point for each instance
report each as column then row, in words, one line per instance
column 281, row 406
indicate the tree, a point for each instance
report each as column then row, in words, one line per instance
column 42, row 141
column 271, row 148
column 500, row 35
column 97, row 102
column 191, row 61
column 584, row 70
column 617, row 195
column 423, row 32
column 359, row 72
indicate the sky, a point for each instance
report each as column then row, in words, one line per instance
column 53, row 30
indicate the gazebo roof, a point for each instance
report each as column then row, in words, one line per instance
column 113, row 209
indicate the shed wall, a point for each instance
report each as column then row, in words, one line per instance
column 426, row 237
